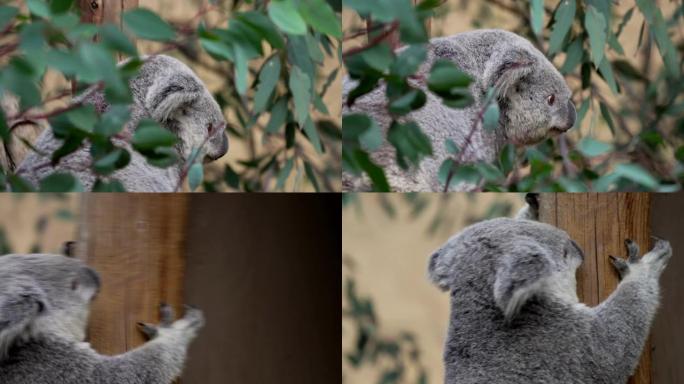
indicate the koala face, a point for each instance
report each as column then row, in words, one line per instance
column 507, row 261
column 44, row 294
column 534, row 98
column 172, row 94
column 539, row 106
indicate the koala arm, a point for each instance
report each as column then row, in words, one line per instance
column 621, row 323
column 160, row 360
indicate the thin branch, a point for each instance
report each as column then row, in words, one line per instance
column 375, row 41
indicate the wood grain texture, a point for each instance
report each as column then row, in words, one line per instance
column 135, row 242
column 667, row 222
column 599, row 223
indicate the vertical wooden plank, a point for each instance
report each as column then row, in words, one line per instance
column 599, row 223
column 135, row 242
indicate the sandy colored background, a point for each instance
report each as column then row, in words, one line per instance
column 389, row 258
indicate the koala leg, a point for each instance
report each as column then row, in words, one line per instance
column 622, row 321
column 160, row 360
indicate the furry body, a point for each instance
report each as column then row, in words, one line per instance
column 524, row 79
column 515, row 315
column 44, row 306
column 165, row 90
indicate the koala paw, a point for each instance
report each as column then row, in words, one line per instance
column 655, row 260
column 188, row 325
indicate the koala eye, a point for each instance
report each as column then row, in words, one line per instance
column 551, row 99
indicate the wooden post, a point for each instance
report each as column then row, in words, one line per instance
column 599, row 223
column 136, row 243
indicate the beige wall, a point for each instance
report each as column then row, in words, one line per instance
column 20, row 213
column 390, row 263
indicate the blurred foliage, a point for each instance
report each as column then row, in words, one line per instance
column 444, row 210
column 646, row 121
column 274, row 111
column 396, row 357
column 62, row 212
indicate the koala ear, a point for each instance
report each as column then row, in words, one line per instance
column 531, row 210
column 520, row 275
column 439, row 269
column 167, row 95
column 20, row 304
column 507, row 68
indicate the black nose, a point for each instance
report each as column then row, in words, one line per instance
column 572, row 115
column 220, row 141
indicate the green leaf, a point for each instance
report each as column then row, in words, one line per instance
column 636, row 174
column 375, row 173
column 39, row 8
column 409, row 60
column 268, row 79
column 411, row 143
column 111, row 186
column 451, row 147
column 148, row 25
column 19, row 184
column 300, row 85
column 312, row 134
column 149, row 135
column 595, row 25
column 114, row 39
column 60, row 182
column 658, row 28
column 537, row 15
column 308, row 169
column 83, row 118
column 6, row 15
column 565, row 14
column 218, row 49
column 491, row 117
column 231, row 177
column 592, row 148
column 445, row 75
column 412, row 100
column 241, row 69
column 278, row 116
column 264, row 26
column 116, row 159
column 607, row 72
column 284, row 173
column 60, row 6
column 4, row 129
column 284, row 14
column 195, row 176
column 573, row 56
column 371, row 138
column 321, row 17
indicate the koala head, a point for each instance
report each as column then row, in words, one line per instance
column 534, row 98
column 44, row 295
column 169, row 91
column 506, row 262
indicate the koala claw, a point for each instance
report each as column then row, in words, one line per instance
column 149, row 330
column 661, row 252
column 620, row 265
column 632, row 251
column 194, row 318
column 166, row 314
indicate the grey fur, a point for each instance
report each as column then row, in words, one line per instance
column 524, row 79
column 165, row 90
column 44, row 307
column 515, row 315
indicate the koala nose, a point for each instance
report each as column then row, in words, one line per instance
column 572, row 115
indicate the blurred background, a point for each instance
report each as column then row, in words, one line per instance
column 394, row 320
column 265, row 269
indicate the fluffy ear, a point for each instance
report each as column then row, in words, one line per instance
column 520, row 275
column 439, row 269
column 20, row 303
column 531, row 210
column 168, row 95
column 506, row 68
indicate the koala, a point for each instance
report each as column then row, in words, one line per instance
column 44, row 308
column 534, row 101
column 165, row 90
column 515, row 314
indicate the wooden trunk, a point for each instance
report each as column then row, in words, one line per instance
column 599, row 223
